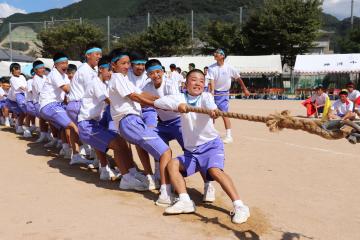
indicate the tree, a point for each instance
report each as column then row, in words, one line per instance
column 350, row 43
column 70, row 38
column 167, row 38
column 226, row 36
column 286, row 27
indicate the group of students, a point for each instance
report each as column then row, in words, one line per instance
column 346, row 107
column 113, row 101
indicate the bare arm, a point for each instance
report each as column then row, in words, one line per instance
column 65, row 88
column 143, row 98
column 212, row 86
column 243, row 87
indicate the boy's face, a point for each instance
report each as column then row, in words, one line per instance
column 343, row 98
column 350, row 88
column 122, row 65
column 6, row 86
column 70, row 74
column 16, row 71
column 218, row 56
column 156, row 77
column 62, row 66
column 138, row 69
column 40, row 71
column 105, row 73
column 319, row 92
column 205, row 71
column 93, row 58
column 195, row 83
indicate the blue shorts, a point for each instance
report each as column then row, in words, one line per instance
column 30, row 109
column 107, row 121
column 96, row 135
column 133, row 129
column 21, row 102
column 204, row 157
column 12, row 106
column 37, row 110
column 73, row 110
column 149, row 116
column 222, row 102
column 3, row 104
column 55, row 113
column 170, row 130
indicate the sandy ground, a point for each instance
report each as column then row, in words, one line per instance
column 298, row 186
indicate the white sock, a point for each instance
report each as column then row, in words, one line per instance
column 238, row 203
column 7, row 119
column 165, row 189
column 228, row 132
column 65, row 146
column 132, row 171
column 184, row 197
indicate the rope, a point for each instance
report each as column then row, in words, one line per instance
column 278, row 121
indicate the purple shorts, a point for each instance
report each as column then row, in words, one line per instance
column 222, row 102
column 21, row 102
column 133, row 129
column 37, row 110
column 73, row 110
column 56, row 114
column 96, row 135
column 30, row 108
column 107, row 121
column 206, row 89
column 170, row 130
column 12, row 106
column 2, row 104
column 149, row 116
column 204, row 157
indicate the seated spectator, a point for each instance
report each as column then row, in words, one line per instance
column 342, row 109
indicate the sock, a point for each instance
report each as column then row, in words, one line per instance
column 228, row 132
column 238, row 203
column 65, row 146
column 164, row 189
column 207, row 184
column 184, row 197
column 132, row 171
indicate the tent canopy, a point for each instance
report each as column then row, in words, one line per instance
column 324, row 64
column 49, row 63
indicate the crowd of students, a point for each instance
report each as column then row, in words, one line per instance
column 111, row 102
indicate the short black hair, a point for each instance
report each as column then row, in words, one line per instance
column 138, row 56
column 192, row 65
column 5, row 80
column 178, row 69
column 59, row 55
column 72, row 68
column 343, row 93
column 206, row 67
column 13, row 66
column 37, row 63
column 47, row 69
column 118, row 52
column 172, row 66
column 104, row 60
column 350, row 84
column 152, row 62
column 194, row 71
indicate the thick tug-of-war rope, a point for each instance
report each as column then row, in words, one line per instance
column 278, row 121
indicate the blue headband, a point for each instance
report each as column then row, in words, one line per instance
column 106, row 65
column 39, row 66
column 118, row 57
column 63, row 59
column 153, row 68
column 91, row 50
column 220, row 51
column 138, row 62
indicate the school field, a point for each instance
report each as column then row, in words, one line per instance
column 297, row 185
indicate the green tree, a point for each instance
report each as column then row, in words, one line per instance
column 350, row 43
column 71, row 38
column 286, row 27
column 227, row 36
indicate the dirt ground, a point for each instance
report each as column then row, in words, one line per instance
column 297, row 185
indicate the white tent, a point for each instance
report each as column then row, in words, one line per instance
column 246, row 65
column 324, row 64
column 50, row 63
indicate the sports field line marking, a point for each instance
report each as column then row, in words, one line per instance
column 302, row 147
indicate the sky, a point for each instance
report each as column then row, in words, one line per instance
column 338, row 8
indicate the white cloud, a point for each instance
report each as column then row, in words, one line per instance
column 341, row 8
column 7, row 10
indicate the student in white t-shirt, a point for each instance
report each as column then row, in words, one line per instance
column 220, row 75
column 175, row 76
column 319, row 99
column 204, row 151
column 207, row 87
column 4, row 111
column 342, row 109
column 30, row 108
column 354, row 95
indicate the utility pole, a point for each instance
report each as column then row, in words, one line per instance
column 148, row 19
column 352, row 14
column 241, row 17
column 192, row 32
column 10, row 43
column 108, row 33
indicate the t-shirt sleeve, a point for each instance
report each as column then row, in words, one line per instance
column 124, row 87
column 207, row 101
column 234, row 73
column 99, row 90
column 59, row 81
column 170, row 102
column 211, row 74
column 29, row 86
column 350, row 106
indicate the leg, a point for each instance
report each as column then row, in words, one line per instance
column 225, row 182
column 145, row 160
column 177, row 180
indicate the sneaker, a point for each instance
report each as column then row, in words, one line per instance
column 141, row 177
column 131, row 183
column 62, row 152
column 181, row 207
column 209, row 193
column 82, row 150
column 92, row 153
column 42, row 138
column 107, row 174
column 59, row 144
column 27, row 134
column 12, row 122
column 152, row 183
column 79, row 159
column 164, row 200
column 67, row 153
column 94, row 164
column 19, row 130
column 51, row 144
column 240, row 214
column 7, row 123
column 228, row 139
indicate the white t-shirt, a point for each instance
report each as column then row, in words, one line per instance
column 16, row 83
column 37, row 84
column 207, row 80
column 29, row 93
column 121, row 105
column 167, row 87
column 355, row 94
column 138, row 81
column 2, row 94
column 176, row 77
column 197, row 129
column 222, row 76
column 92, row 104
column 342, row 108
column 51, row 91
column 320, row 100
column 83, row 76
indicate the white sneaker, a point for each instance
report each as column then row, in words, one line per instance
column 181, row 207
column 94, row 164
column 51, row 144
column 42, row 138
column 7, row 123
column 209, row 193
column 164, row 200
column 79, row 159
column 62, row 152
column 19, row 130
column 67, row 153
column 27, row 133
column 152, row 183
column 240, row 214
column 131, row 183
column 82, row 150
column 228, row 139
column 107, row 174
